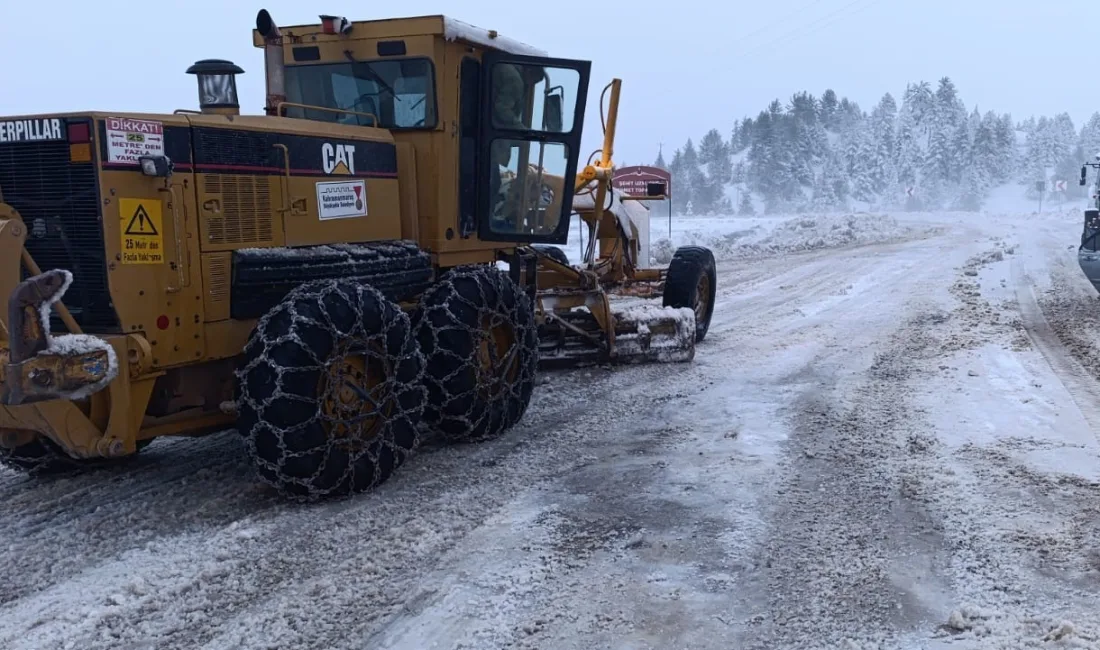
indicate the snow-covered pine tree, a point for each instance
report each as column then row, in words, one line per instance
column 919, row 100
column 939, row 159
column 740, row 173
column 761, row 155
column 862, row 164
column 960, row 152
column 714, row 167
column 1037, row 159
column 828, row 109
column 771, row 168
column 745, row 208
column 1089, row 142
column 1065, row 135
column 1069, row 170
column 700, row 196
column 882, row 168
column 746, row 135
column 681, row 184
column 973, row 190
column 660, row 162
column 1090, row 137
column 833, row 174
column 910, row 156
column 714, row 156
column 805, row 110
column 986, row 154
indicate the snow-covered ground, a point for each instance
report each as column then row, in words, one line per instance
column 887, row 440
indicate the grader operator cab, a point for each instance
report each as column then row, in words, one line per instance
column 327, row 277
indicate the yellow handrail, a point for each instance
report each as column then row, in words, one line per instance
column 372, row 116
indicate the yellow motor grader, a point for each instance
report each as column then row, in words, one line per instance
column 367, row 264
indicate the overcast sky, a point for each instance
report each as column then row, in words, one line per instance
column 687, row 65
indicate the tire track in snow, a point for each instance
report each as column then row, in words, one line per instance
column 1081, row 386
column 850, row 556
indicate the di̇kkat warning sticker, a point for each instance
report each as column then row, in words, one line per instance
column 341, row 200
column 128, row 140
column 141, row 228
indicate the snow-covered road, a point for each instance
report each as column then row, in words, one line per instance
column 881, row 445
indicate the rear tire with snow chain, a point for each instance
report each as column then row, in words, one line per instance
column 329, row 391
column 477, row 331
column 691, row 282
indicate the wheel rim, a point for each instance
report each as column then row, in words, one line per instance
column 497, row 356
column 702, row 299
column 354, row 399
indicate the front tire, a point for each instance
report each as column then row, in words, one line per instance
column 329, row 393
column 692, row 283
column 477, row 331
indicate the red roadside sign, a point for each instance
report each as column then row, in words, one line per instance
column 639, row 179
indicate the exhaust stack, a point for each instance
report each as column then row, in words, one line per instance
column 273, row 61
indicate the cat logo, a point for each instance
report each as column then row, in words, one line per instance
column 339, row 159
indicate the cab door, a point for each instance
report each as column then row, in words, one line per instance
column 532, row 117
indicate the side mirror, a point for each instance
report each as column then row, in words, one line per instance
column 552, row 118
column 1084, row 173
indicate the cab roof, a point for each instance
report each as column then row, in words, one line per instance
column 437, row 25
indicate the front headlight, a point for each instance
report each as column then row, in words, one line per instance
column 159, row 166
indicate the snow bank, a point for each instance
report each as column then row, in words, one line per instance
column 730, row 238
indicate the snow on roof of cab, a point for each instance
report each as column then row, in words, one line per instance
column 458, row 30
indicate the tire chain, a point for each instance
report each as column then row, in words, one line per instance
column 356, row 318
column 457, row 408
column 44, row 457
column 35, row 458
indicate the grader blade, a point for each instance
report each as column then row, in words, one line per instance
column 642, row 334
column 651, row 334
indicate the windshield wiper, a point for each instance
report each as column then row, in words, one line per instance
column 374, row 76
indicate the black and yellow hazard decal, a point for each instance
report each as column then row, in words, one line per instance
column 141, row 226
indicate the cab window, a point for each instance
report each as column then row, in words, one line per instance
column 399, row 92
column 534, row 98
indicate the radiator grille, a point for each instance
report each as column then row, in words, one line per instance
column 59, row 203
column 218, row 273
column 245, row 216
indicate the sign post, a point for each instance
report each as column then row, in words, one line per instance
column 645, row 183
column 1040, row 186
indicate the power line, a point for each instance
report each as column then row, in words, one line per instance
column 839, row 13
column 775, row 22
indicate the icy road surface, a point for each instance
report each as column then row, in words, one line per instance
column 888, row 440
